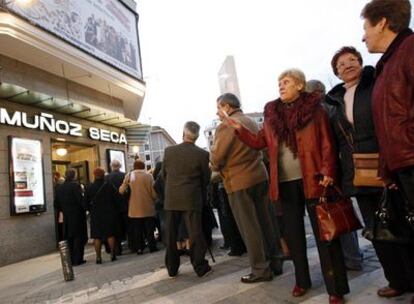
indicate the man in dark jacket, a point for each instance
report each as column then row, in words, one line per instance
column 115, row 178
column 386, row 30
column 69, row 200
column 186, row 174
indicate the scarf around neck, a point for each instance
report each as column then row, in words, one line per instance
column 391, row 49
column 285, row 119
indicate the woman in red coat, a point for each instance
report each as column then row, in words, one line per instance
column 302, row 162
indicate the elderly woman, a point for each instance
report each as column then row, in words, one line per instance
column 296, row 132
column 386, row 27
column 102, row 204
column 141, row 208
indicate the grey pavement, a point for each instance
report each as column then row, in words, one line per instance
column 143, row 279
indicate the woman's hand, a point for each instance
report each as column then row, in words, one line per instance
column 231, row 122
column 326, row 181
column 389, row 183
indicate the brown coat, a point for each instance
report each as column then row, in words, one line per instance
column 142, row 198
column 240, row 165
column 315, row 152
column 393, row 106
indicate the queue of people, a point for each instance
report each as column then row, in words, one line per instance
column 311, row 140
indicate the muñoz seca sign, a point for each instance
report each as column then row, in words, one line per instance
column 47, row 122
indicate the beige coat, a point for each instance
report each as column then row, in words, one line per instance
column 240, row 166
column 142, row 198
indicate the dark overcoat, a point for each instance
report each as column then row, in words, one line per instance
column 69, row 200
column 186, row 174
column 358, row 137
column 101, row 198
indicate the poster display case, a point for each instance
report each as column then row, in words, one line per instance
column 26, row 174
column 119, row 155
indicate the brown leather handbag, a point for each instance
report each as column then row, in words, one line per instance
column 366, row 170
column 335, row 215
column 365, row 165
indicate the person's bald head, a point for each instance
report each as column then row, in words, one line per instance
column 115, row 165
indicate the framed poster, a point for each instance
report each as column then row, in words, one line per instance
column 119, row 155
column 26, row 175
column 105, row 29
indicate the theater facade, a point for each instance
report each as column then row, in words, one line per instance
column 71, row 87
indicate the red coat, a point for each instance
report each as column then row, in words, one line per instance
column 393, row 107
column 315, row 151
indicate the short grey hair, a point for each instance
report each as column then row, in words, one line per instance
column 229, row 98
column 115, row 164
column 315, row 85
column 296, row 74
column 191, row 130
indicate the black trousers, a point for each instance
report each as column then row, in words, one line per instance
column 330, row 254
column 198, row 247
column 405, row 181
column 77, row 248
column 228, row 226
column 139, row 230
column 397, row 260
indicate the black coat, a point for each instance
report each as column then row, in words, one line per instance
column 102, row 202
column 116, row 178
column 362, row 132
column 186, row 175
column 69, row 200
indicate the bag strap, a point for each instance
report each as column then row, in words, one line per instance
column 348, row 137
column 97, row 192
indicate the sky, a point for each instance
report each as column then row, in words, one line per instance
column 184, row 43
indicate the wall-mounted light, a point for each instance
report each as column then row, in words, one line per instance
column 135, row 149
column 61, row 151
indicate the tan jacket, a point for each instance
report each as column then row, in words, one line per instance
column 142, row 198
column 240, row 165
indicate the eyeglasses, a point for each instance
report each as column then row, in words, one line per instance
column 349, row 61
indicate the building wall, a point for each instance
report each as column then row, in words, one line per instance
column 26, row 236
column 152, row 151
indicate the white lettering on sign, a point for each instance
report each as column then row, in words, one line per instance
column 46, row 121
column 106, row 135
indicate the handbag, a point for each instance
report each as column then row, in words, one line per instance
column 335, row 215
column 365, row 165
column 388, row 224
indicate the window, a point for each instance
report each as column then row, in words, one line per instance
column 148, row 167
column 147, row 157
column 146, row 147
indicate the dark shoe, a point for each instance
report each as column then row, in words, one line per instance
column 224, row 247
column 251, row 278
column 277, row 266
column 154, row 250
column 80, row 263
column 298, row 291
column 336, row 300
column 353, row 267
column 140, row 251
column 98, row 260
column 388, row 292
column 206, row 272
column 113, row 258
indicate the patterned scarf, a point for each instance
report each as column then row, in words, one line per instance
column 286, row 118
